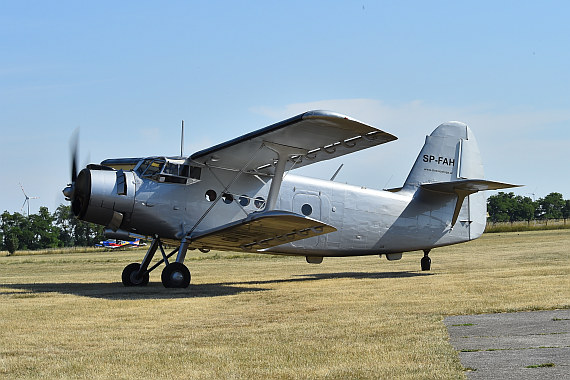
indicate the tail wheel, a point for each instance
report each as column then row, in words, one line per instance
column 130, row 277
column 426, row 263
column 175, row 275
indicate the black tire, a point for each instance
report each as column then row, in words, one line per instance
column 426, row 263
column 175, row 275
column 129, row 276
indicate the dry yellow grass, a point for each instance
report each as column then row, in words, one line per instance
column 256, row 316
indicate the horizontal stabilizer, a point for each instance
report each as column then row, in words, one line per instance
column 470, row 185
column 464, row 188
column 260, row 231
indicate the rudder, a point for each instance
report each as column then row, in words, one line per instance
column 450, row 153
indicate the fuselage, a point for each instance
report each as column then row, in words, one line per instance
column 367, row 221
column 179, row 198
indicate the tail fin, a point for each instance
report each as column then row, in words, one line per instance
column 450, row 163
column 449, row 154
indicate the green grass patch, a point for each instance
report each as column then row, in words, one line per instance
column 540, row 365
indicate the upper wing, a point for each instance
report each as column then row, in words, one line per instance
column 121, row 163
column 322, row 135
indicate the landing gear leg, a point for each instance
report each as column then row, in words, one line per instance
column 176, row 274
column 136, row 274
column 426, row 261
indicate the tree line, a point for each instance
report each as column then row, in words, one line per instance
column 508, row 207
column 45, row 230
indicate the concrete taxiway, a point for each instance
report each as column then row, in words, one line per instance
column 526, row 345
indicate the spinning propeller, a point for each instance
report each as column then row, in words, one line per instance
column 79, row 189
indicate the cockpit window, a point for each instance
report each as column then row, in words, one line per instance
column 142, row 167
column 172, row 169
column 153, row 168
column 163, row 169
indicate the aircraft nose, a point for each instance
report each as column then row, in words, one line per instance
column 68, row 192
column 81, row 192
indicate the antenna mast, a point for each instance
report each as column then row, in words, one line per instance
column 182, row 141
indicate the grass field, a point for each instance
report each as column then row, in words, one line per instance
column 257, row 316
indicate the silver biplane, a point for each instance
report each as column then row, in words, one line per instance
column 235, row 196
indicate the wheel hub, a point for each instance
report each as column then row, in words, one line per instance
column 177, row 277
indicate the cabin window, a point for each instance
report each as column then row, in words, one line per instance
column 306, row 209
column 211, row 195
column 195, row 172
column 227, row 198
column 244, row 200
column 121, row 183
column 259, row 202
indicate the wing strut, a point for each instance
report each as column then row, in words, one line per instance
column 184, row 243
column 283, row 153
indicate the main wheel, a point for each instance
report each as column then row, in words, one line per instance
column 175, row 275
column 426, row 263
column 130, row 278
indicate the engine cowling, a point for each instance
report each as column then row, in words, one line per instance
column 102, row 196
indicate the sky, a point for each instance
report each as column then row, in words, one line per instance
column 125, row 73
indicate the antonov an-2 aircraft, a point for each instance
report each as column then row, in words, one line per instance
column 236, row 196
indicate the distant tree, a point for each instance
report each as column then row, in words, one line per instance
column 524, row 208
column 75, row 232
column 64, row 220
column 566, row 210
column 87, row 234
column 15, row 231
column 45, row 230
column 45, row 233
column 550, row 207
column 11, row 242
column 501, row 207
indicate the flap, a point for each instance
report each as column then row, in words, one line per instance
column 260, row 231
column 323, row 135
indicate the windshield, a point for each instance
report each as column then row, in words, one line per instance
column 150, row 167
column 167, row 170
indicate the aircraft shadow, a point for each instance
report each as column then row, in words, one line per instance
column 329, row 276
column 155, row 290
column 116, row 290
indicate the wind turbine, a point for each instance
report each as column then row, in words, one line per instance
column 27, row 200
